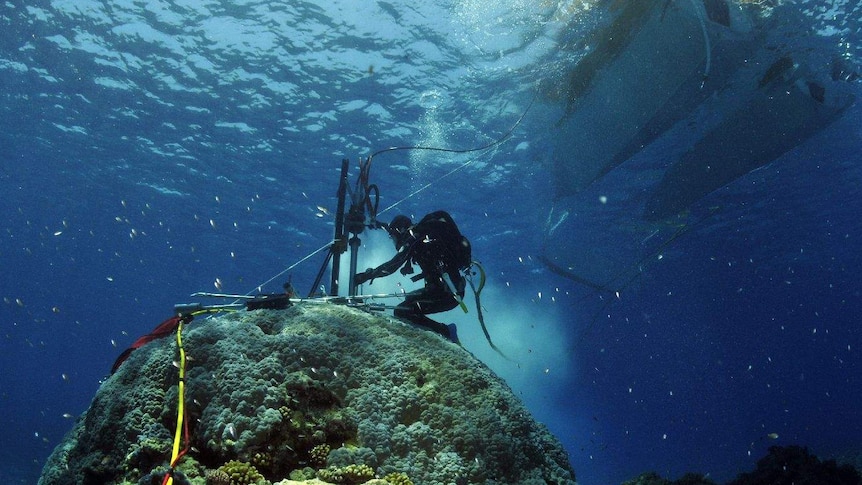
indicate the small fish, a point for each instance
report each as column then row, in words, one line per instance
column 67, row 415
column 772, row 436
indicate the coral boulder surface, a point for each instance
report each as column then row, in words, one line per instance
column 314, row 392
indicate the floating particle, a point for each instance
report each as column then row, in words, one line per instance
column 109, row 278
column 64, row 377
column 212, row 223
column 772, row 436
column 19, row 302
column 67, row 415
column 58, row 233
column 217, row 284
column 603, row 199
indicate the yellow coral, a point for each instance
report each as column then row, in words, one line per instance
column 241, row 473
column 317, row 455
column 398, row 479
column 358, row 473
column 350, row 474
column 331, row 475
column 285, row 412
column 217, row 477
column 261, row 459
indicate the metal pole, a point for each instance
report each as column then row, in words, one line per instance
column 340, row 244
column 354, row 256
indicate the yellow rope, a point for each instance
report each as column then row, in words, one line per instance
column 178, row 433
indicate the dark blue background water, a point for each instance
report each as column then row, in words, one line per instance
column 147, row 150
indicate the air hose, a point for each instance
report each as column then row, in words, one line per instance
column 477, row 293
column 706, row 43
column 182, row 431
column 181, row 434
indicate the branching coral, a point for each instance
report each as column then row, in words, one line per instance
column 398, row 478
column 318, row 455
column 349, row 475
column 241, row 473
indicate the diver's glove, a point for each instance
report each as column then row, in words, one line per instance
column 365, row 276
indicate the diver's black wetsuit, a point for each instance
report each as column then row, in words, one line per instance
column 423, row 244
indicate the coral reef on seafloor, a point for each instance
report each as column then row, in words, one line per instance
column 652, row 478
column 782, row 465
column 790, row 465
column 310, row 393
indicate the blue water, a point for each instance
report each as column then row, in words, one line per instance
column 150, row 148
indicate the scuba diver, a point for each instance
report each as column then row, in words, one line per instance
column 442, row 253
